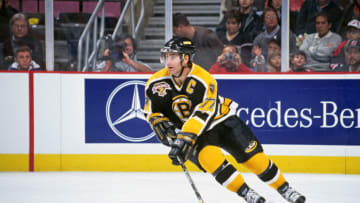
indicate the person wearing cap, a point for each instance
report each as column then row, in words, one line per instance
column 320, row 46
column 352, row 32
column 351, row 11
column 352, row 54
column 352, row 58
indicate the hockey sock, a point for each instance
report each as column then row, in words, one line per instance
column 243, row 190
column 213, row 161
column 266, row 170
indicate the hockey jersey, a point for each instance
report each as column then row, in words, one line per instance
column 194, row 107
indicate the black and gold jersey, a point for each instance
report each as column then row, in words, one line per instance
column 194, row 107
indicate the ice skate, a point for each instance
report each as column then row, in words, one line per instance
column 290, row 194
column 253, row 197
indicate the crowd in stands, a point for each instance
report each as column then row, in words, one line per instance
column 324, row 36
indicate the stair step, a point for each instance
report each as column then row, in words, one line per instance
column 196, row 2
column 147, row 55
column 152, row 44
column 159, row 32
column 190, row 9
column 158, row 21
column 199, row 12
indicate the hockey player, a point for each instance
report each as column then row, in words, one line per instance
column 184, row 109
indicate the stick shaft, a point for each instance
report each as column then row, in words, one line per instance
column 187, row 174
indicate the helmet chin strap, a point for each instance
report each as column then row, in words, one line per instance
column 181, row 72
column 182, row 68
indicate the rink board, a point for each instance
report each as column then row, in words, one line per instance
column 307, row 123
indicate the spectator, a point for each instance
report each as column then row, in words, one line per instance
column 276, row 4
column 233, row 33
column 305, row 22
column 274, row 45
column 352, row 54
column 351, row 11
column 229, row 62
column 272, row 29
column 274, row 62
column 251, row 23
column 20, row 36
column 121, row 56
column 23, row 60
column 320, row 46
column 352, row 32
column 207, row 44
column 298, row 61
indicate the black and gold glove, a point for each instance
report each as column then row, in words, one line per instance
column 182, row 147
column 163, row 128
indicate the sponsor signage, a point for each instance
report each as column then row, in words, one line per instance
column 114, row 112
column 310, row 112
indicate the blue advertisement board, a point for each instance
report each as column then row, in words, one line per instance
column 310, row 112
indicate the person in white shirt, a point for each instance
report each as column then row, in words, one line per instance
column 320, row 46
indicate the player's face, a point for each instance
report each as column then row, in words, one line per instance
column 23, row 59
column 173, row 62
column 19, row 28
column 232, row 26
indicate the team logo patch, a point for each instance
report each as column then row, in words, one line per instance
column 160, row 88
column 181, row 106
column 251, row 147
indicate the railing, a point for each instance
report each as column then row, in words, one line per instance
column 84, row 59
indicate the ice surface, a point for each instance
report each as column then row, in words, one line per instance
column 119, row 187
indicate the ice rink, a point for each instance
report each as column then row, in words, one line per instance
column 120, row 187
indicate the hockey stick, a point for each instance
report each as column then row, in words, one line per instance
column 190, row 180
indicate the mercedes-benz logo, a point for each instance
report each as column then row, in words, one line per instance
column 135, row 111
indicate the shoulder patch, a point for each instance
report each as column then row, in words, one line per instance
column 252, row 145
column 160, row 88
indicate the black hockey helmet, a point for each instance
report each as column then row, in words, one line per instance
column 180, row 46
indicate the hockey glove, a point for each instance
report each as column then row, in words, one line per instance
column 163, row 128
column 182, row 147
